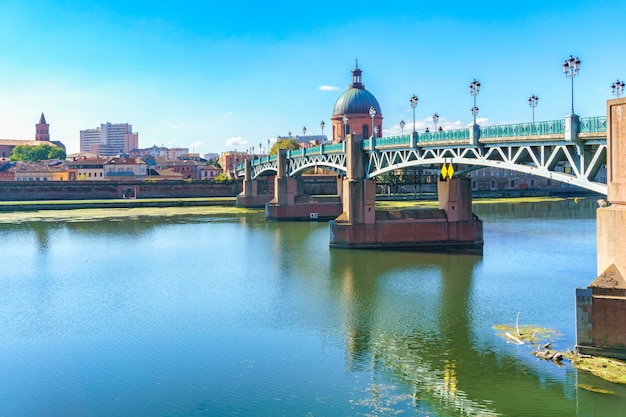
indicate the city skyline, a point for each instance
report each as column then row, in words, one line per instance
column 217, row 78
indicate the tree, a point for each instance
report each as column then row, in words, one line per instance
column 44, row 151
column 222, row 178
column 284, row 144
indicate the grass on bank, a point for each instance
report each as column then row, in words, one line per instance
column 212, row 207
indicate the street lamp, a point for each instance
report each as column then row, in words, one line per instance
column 617, row 88
column 304, row 131
column 532, row 102
column 474, row 90
column 402, row 126
column 414, row 101
column 376, row 131
column 571, row 66
column 345, row 125
column 435, row 119
column 268, row 146
column 372, row 114
column 322, row 124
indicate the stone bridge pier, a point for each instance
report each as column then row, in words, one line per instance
column 291, row 203
column 601, row 307
column 450, row 228
column 250, row 196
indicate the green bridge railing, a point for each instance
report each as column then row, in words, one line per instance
column 592, row 124
column 545, row 128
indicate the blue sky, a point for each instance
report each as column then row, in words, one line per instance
column 217, row 77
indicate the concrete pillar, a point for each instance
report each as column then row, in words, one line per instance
column 474, row 134
column 601, row 308
column 455, row 198
column 250, row 186
column 359, row 195
column 572, row 127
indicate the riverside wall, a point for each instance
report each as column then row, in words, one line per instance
column 95, row 190
column 98, row 190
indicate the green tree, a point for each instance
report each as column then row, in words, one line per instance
column 284, row 144
column 214, row 162
column 222, row 179
column 44, row 151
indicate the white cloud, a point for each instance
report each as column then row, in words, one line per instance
column 236, row 142
column 328, row 88
column 196, row 144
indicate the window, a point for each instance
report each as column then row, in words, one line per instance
column 474, row 185
column 532, row 183
column 512, row 183
column 493, row 184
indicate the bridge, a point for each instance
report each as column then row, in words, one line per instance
column 571, row 154
column 572, row 151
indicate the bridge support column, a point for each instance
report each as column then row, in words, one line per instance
column 453, row 227
column 601, row 307
column 290, row 202
column 250, row 197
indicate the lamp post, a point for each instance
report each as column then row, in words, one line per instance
column 414, row 101
column 322, row 126
column 345, row 125
column 260, row 148
column 435, row 119
column 617, row 88
column 474, row 90
column 268, row 146
column 532, row 102
column 402, row 126
column 372, row 114
column 304, row 131
column 571, row 66
column 375, row 131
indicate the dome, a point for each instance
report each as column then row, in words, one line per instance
column 356, row 99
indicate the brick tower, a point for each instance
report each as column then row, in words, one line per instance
column 42, row 130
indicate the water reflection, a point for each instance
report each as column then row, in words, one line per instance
column 419, row 330
column 559, row 209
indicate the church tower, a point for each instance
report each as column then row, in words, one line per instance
column 42, row 132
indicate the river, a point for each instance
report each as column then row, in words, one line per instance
column 225, row 314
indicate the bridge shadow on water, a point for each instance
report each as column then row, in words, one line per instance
column 419, row 332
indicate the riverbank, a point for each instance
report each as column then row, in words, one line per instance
column 12, row 206
column 18, row 206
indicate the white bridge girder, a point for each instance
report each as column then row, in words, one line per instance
column 582, row 160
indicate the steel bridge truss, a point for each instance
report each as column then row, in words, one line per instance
column 575, row 163
column 567, row 162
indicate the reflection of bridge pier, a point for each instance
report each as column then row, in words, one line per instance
column 422, row 334
column 452, row 227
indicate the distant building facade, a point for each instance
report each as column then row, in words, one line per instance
column 110, row 139
column 125, row 167
column 229, row 161
column 159, row 152
column 90, row 169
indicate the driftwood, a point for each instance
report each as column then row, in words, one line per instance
column 515, row 339
column 549, row 355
